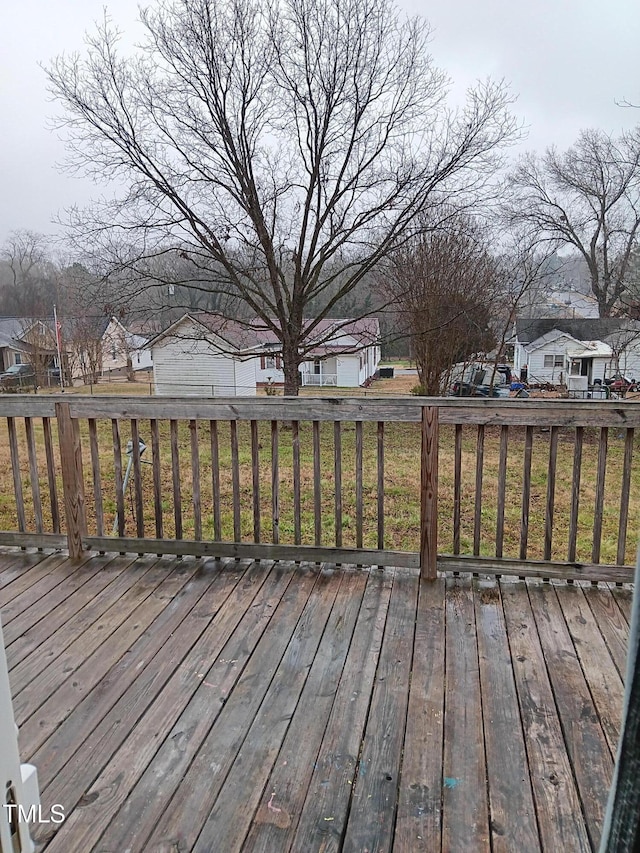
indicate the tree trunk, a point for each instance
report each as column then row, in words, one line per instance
column 290, row 367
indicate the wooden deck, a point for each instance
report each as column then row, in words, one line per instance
column 179, row 705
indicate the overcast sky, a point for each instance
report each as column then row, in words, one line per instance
column 568, row 61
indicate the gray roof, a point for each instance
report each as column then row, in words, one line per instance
column 592, row 329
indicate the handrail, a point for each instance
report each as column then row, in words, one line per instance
column 82, row 462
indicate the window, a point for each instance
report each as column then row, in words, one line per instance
column 551, row 361
column 17, row 358
column 270, row 362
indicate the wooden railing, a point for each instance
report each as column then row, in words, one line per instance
column 524, row 487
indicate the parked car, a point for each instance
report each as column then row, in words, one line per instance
column 18, row 377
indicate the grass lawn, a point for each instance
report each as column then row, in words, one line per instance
column 402, row 476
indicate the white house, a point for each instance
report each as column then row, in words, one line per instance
column 552, row 350
column 203, row 356
column 125, row 347
column 342, row 353
column 206, row 355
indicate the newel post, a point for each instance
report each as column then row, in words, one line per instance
column 72, row 480
column 429, row 494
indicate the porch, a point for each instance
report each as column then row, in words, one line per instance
column 212, row 705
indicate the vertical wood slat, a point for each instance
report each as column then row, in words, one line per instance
column 235, row 481
column 317, row 485
column 51, row 477
column 337, row 480
column 255, row 478
column 215, row 480
column 195, row 480
column 34, row 476
column 380, row 485
column 429, row 494
column 526, row 492
column 275, row 482
column 575, row 494
column 117, row 476
column 175, row 477
column 72, row 479
column 502, row 488
column 157, row 480
column 17, row 478
column 477, row 515
column 297, row 515
column 457, row 488
column 359, row 503
column 599, row 505
column 624, row 497
column 551, row 490
column 97, row 480
column 137, row 477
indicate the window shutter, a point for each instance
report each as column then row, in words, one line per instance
column 262, row 364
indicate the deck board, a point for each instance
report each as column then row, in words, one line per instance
column 203, row 705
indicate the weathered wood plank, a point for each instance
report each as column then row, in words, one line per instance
column 477, row 513
column 129, row 687
column 51, row 476
column 235, row 481
column 317, row 486
column 612, row 624
column 567, row 413
column 118, row 480
column 276, row 820
column 17, row 476
column 215, row 479
column 137, row 478
column 599, row 507
column 186, row 703
column 175, row 478
column 584, row 738
column 605, row 683
column 429, row 494
column 168, row 578
column 251, row 551
column 575, row 494
column 526, row 493
column 551, row 491
column 195, row 480
column 18, row 583
column 230, row 817
column 297, row 512
column 623, row 599
column 359, row 491
column 157, row 477
column 32, row 540
column 561, row 822
column 97, row 479
column 72, row 479
column 465, row 817
column 502, row 486
column 255, row 480
column 375, row 789
column 337, row 481
column 513, row 815
column 334, row 771
column 418, row 822
column 624, row 496
column 224, row 728
column 275, row 483
column 380, row 484
column 536, row 568
column 34, row 474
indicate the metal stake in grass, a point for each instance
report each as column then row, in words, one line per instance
column 129, row 451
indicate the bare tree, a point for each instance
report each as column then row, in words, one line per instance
column 444, row 283
column 29, row 285
column 281, row 148
column 588, row 198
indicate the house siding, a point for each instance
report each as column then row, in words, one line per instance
column 192, row 368
column 348, row 371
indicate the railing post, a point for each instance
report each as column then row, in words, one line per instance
column 72, row 480
column 429, row 494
